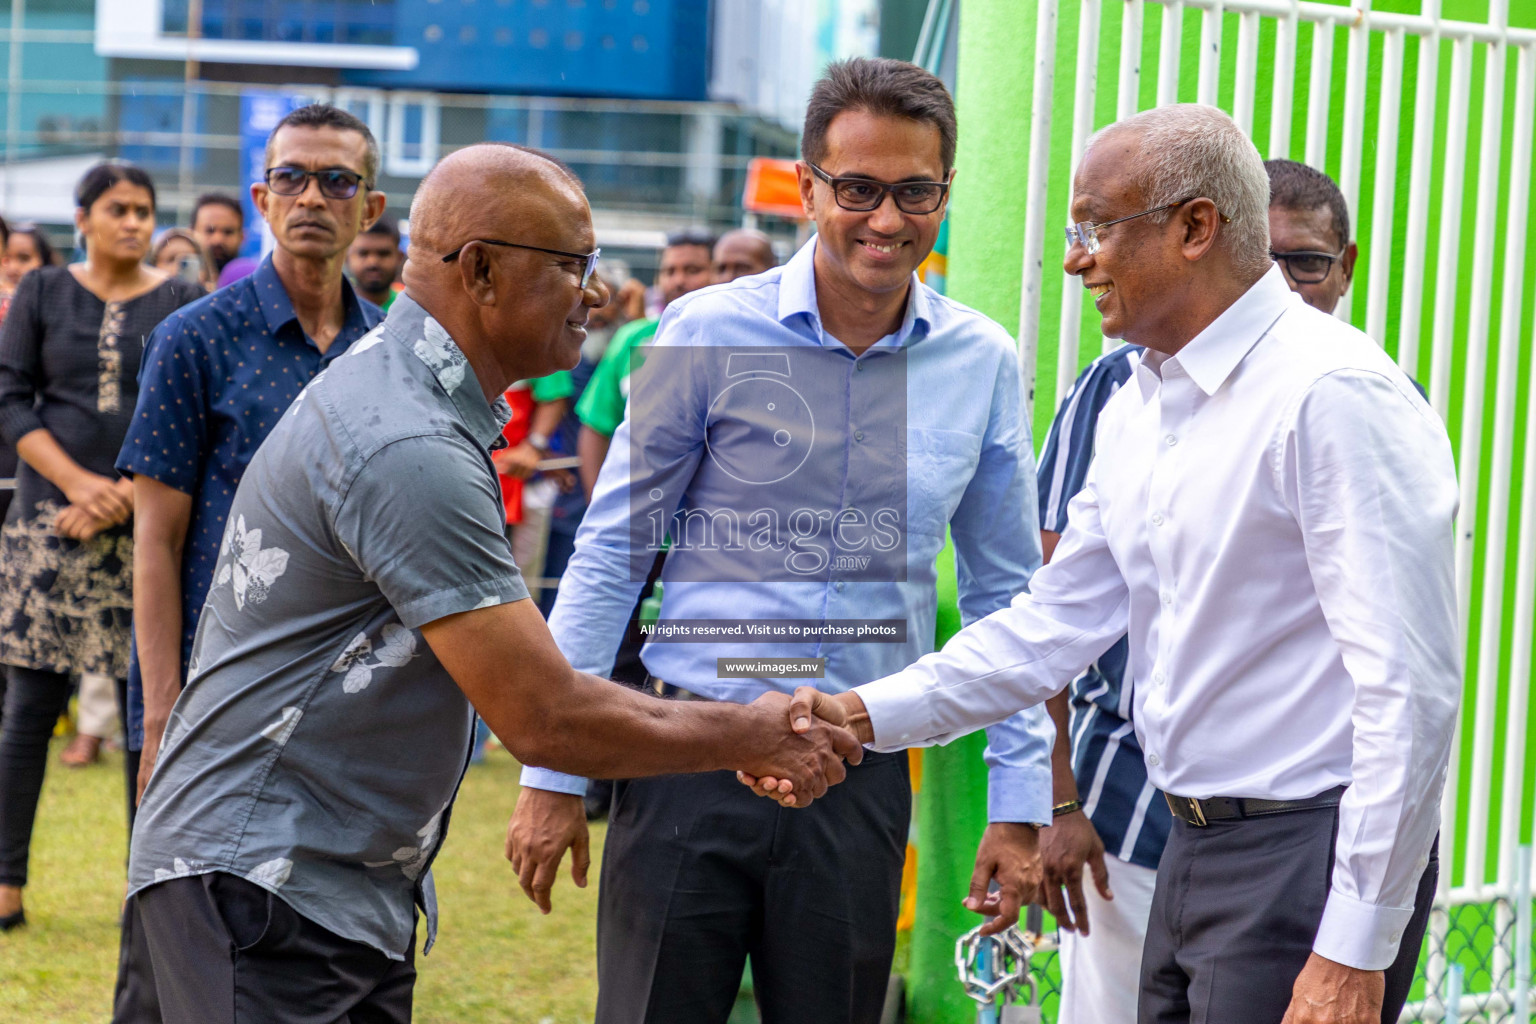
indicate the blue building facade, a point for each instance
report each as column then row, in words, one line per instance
column 632, row 49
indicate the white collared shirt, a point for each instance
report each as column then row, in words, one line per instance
column 1270, row 518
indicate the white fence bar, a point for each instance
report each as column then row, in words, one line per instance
column 1440, row 374
column 1413, row 24
column 1479, row 319
column 1354, row 127
column 1319, row 94
column 1130, row 59
column 1523, row 936
column 1168, row 53
column 1415, row 246
column 1247, row 69
column 1129, row 99
column 1517, row 712
column 1210, row 55
column 1285, row 84
column 1069, row 339
column 1034, row 216
column 1384, row 205
column 1446, row 330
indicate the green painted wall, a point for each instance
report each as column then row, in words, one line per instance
column 994, row 97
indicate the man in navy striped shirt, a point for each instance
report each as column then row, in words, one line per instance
column 1102, row 800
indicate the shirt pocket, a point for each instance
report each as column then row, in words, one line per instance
column 940, row 465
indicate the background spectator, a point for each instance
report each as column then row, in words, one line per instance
column 26, row 248
column 69, row 363
column 179, row 254
column 686, row 266
column 742, row 253
column 218, row 223
column 375, row 260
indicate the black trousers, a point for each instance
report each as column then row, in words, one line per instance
column 33, row 702
column 699, row 874
column 216, row 949
column 1235, row 913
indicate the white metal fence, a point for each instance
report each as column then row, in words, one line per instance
column 1451, row 317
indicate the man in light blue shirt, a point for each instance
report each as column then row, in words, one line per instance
column 803, row 438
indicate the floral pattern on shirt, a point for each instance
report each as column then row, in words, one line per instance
column 437, row 349
column 397, row 645
column 253, row 569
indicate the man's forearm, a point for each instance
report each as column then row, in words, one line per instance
column 157, row 629
column 1063, row 783
column 599, row 730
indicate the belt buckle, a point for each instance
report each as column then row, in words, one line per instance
column 1195, row 813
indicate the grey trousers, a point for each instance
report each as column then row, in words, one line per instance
column 699, row 874
column 1235, row 913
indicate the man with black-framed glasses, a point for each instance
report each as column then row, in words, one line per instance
column 1309, row 233
column 845, row 417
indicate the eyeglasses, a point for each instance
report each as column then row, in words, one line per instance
column 334, row 182
column 589, row 259
column 1086, row 234
column 1305, row 265
column 864, row 194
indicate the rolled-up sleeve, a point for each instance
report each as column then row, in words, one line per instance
column 442, row 551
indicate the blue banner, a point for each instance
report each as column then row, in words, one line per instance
column 259, row 114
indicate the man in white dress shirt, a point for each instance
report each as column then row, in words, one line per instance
column 1269, row 517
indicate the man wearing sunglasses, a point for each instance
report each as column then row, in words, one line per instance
column 825, row 395
column 1309, row 233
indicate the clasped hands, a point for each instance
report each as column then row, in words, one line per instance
column 96, row 503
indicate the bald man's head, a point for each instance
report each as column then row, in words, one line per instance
column 498, row 237
column 741, row 253
column 479, row 187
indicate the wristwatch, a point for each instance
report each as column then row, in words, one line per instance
column 539, row 441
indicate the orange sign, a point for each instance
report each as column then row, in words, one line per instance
column 772, row 187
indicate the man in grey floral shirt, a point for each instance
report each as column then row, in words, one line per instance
column 364, row 590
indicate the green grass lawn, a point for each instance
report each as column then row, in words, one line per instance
column 496, row 959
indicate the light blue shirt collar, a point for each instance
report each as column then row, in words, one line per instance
column 797, row 295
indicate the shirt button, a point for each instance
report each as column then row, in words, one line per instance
column 1154, row 760
column 1158, row 677
column 859, row 436
column 1172, row 440
column 1395, row 937
column 838, row 585
column 1167, row 598
column 1157, row 519
column 858, row 366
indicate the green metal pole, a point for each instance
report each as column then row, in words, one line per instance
column 987, row 231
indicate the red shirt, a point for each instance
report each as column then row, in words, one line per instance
column 520, row 397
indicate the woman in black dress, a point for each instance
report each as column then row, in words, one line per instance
column 69, row 360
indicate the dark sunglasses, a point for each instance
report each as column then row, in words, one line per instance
column 589, row 259
column 1307, row 266
column 334, row 182
column 864, row 194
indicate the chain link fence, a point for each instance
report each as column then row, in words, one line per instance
column 1475, row 960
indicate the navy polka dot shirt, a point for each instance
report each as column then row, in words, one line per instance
column 217, row 375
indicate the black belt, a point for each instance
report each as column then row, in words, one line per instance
column 1232, row 808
